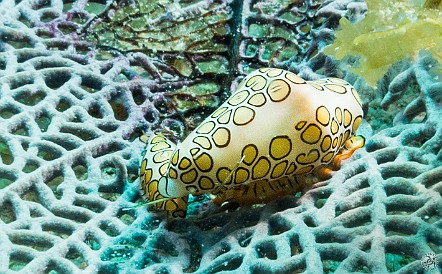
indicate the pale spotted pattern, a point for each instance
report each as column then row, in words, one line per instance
column 273, row 129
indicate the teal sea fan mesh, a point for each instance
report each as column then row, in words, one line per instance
column 72, row 107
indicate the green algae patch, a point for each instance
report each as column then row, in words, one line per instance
column 151, row 26
column 195, row 96
column 392, row 31
column 189, row 41
column 6, row 155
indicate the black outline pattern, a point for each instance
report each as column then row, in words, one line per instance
column 175, row 157
column 272, row 94
column 173, row 173
column 326, row 160
column 346, row 135
column 354, row 127
column 261, row 159
column 192, row 172
column 200, row 143
column 350, row 115
column 236, row 175
column 255, row 96
column 355, row 93
column 294, row 168
column 199, row 162
column 204, row 125
column 234, row 97
column 235, row 116
column 329, row 144
column 222, row 117
column 200, row 184
column 316, row 86
column 334, row 126
column 272, row 174
column 273, row 70
column 254, row 157
column 294, row 82
column 338, row 115
column 218, row 112
column 304, row 155
column 300, row 125
column 252, row 84
column 335, row 142
column 143, row 166
column 161, row 156
column 228, row 137
column 306, row 129
column 194, row 151
column 304, row 170
column 160, row 146
column 221, row 180
column 317, row 115
column 186, row 164
column 273, row 146
column 336, row 88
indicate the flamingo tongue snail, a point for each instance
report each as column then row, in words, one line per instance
column 271, row 133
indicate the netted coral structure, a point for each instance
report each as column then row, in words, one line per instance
column 72, row 106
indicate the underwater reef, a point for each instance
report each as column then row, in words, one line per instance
column 82, row 80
